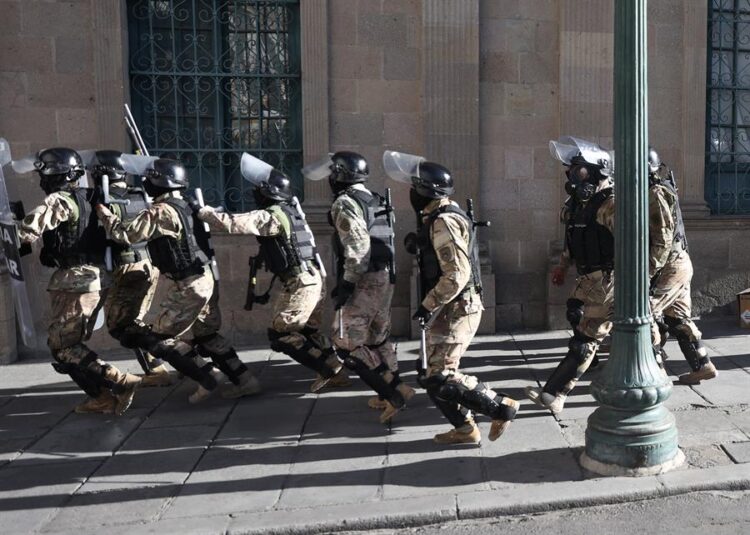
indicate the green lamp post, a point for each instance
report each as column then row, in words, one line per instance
column 631, row 433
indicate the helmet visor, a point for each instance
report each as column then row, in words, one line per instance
column 401, row 166
column 24, row 165
column 254, row 170
column 319, row 170
column 135, row 164
column 568, row 147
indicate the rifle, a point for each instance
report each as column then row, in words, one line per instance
column 210, row 252
column 391, row 222
column 256, row 262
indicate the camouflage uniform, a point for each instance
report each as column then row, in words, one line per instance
column 593, row 296
column 130, row 296
column 366, row 315
column 298, row 310
column 671, row 271
column 454, row 327
column 75, row 295
column 191, row 303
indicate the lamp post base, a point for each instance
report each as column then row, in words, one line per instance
column 615, row 470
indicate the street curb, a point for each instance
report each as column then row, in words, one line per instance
column 419, row 511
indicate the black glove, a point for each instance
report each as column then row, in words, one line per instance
column 342, row 293
column 410, row 243
column 16, row 208
column 193, row 203
column 422, row 315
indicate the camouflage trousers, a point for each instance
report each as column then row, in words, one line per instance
column 298, row 313
column 450, row 335
column 192, row 304
column 597, row 292
column 366, row 319
column 670, row 297
column 129, row 299
column 131, row 294
column 73, row 315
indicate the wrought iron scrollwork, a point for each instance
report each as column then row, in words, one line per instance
column 210, row 79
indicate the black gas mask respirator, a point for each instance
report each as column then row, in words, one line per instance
column 582, row 183
column 418, row 202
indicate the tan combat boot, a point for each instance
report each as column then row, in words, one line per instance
column 249, row 386
column 498, row 427
column 201, row 393
column 340, row 380
column 104, row 404
column 376, row 403
column 555, row 404
column 466, row 434
column 159, row 376
column 704, row 373
column 389, row 411
column 126, row 385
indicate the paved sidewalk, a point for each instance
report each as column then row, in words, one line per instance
column 290, row 461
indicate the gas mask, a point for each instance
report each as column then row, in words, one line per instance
column 53, row 183
column 582, row 183
column 418, row 202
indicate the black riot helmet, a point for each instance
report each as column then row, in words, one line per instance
column 108, row 162
column 58, row 168
column 167, row 174
column 348, row 168
column 433, row 181
column 276, row 188
column 654, row 161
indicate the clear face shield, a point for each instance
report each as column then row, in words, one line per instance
column 255, row 170
column 568, row 147
column 401, row 166
column 319, row 170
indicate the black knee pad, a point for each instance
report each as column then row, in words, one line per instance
column 578, row 347
column 375, row 380
column 574, row 311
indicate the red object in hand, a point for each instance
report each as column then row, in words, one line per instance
column 558, row 275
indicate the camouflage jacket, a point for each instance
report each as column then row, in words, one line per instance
column 157, row 220
column 351, row 228
column 257, row 222
column 56, row 209
column 450, row 236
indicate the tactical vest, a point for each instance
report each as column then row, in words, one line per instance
column 679, row 242
column 429, row 266
column 180, row 258
column 291, row 252
column 382, row 250
column 74, row 243
column 590, row 244
column 137, row 202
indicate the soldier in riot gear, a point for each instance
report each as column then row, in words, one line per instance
column 589, row 243
column 288, row 251
column 134, row 278
column 671, row 271
column 74, row 244
column 451, row 301
column 363, row 244
column 176, row 244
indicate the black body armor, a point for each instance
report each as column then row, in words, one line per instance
column 429, row 268
column 183, row 257
column 291, row 252
column 137, row 202
column 680, row 236
column 75, row 243
column 590, row 244
column 382, row 251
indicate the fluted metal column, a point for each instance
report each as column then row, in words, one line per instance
column 631, row 433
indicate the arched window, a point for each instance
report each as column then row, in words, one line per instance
column 728, row 107
column 210, row 79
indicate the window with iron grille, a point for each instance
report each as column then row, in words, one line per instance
column 210, row 79
column 728, row 107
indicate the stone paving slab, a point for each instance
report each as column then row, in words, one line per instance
column 288, row 461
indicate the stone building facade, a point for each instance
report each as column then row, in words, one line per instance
column 478, row 85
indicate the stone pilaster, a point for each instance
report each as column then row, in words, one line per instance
column 315, row 122
column 109, row 37
column 694, row 110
